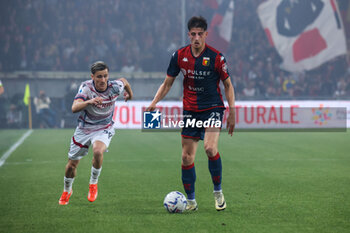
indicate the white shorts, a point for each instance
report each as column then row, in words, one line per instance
column 80, row 142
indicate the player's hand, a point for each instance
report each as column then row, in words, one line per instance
column 231, row 122
column 96, row 101
column 127, row 96
column 151, row 108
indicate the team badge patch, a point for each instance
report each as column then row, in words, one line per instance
column 206, row 61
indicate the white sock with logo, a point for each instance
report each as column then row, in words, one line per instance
column 95, row 173
column 68, row 183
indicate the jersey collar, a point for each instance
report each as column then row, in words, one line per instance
column 205, row 48
column 93, row 83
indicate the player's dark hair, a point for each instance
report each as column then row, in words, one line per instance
column 197, row 22
column 98, row 66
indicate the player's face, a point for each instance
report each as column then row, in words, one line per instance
column 197, row 37
column 100, row 79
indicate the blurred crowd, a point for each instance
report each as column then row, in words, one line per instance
column 65, row 35
column 69, row 35
column 255, row 65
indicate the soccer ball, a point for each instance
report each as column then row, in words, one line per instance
column 175, row 202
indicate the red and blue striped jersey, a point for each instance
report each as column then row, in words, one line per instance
column 202, row 75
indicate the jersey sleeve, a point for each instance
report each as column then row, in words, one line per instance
column 221, row 67
column 82, row 92
column 118, row 86
column 173, row 68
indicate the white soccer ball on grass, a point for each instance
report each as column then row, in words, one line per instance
column 175, row 202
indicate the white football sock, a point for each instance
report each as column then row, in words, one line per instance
column 68, row 183
column 95, row 173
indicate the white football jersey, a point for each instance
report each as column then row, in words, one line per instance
column 97, row 117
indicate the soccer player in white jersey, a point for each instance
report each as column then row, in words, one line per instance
column 95, row 102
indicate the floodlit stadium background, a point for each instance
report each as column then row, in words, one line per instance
column 50, row 45
column 279, row 181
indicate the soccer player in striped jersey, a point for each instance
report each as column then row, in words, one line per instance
column 203, row 67
column 95, row 102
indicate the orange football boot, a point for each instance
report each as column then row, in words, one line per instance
column 92, row 192
column 64, row 200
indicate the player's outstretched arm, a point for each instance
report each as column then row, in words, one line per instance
column 1, row 89
column 128, row 91
column 80, row 104
column 162, row 92
column 230, row 96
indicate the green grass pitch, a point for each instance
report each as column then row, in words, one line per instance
column 273, row 182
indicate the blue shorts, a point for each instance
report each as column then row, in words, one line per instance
column 211, row 116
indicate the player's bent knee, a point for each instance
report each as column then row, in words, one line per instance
column 210, row 151
column 187, row 159
column 98, row 152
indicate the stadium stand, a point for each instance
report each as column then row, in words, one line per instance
column 139, row 37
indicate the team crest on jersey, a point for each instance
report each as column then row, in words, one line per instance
column 206, row 61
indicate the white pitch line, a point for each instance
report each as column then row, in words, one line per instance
column 14, row 147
